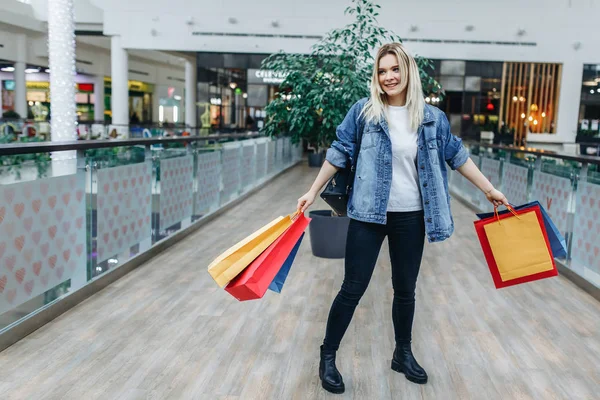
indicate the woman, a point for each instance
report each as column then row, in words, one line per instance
column 400, row 191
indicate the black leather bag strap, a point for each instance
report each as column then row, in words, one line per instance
column 361, row 127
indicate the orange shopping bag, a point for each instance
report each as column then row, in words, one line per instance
column 233, row 261
column 516, row 247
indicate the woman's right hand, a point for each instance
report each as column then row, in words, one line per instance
column 306, row 201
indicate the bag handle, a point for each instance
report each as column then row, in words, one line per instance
column 509, row 209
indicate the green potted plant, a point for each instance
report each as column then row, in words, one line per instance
column 319, row 89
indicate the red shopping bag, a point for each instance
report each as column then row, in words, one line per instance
column 516, row 246
column 254, row 281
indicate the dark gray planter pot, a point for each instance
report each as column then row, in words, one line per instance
column 315, row 160
column 328, row 234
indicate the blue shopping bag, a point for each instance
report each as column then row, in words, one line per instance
column 557, row 242
column 277, row 283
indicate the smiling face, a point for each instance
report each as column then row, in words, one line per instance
column 390, row 76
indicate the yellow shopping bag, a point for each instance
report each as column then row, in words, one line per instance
column 516, row 246
column 235, row 259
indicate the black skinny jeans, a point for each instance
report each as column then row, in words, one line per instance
column 406, row 237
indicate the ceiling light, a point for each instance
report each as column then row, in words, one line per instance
column 592, row 91
column 232, row 85
column 245, row 95
column 515, row 98
column 47, row 70
column 543, row 115
column 523, row 116
column 535, row 122
column 31, row 70
column 7, row 69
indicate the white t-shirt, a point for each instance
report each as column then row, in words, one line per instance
column 405, row 194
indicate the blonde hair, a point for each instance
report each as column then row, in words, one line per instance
column 375, row 109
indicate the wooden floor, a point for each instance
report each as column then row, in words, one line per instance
column 167, row 332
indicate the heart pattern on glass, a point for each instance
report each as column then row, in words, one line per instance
column 586, row 229
column 491, row 169
column 514, row 183
column 247, row 170
column 176, row 190
column 122, row 203
column 35, row 217
column 261, row 160
column 543, row 183
column 208, row 174
column 231, row 171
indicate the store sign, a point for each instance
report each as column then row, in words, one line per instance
column 9, row 85
column 265, row 76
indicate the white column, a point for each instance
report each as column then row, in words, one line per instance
column 99, row 98
column 569, row 101
column 61, row 51
column 190, row 94
column 155, row 104
column 119, row 89
column 19, row 74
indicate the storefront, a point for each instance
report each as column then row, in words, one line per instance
column 471, row 99
column 233, row 91
column 38, row 95
column 588, row 127
column 262, row 88
column 140, row 101
column 589, row 107
column 503, row 100
column 170, row 104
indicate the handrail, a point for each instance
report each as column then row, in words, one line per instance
column 46, row 147
column 538, row 152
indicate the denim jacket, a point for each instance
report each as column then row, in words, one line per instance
column 369, row 196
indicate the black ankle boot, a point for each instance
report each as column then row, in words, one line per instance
column 404, row 362
column 331, row 379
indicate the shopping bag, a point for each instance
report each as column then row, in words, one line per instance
column 516, row 247
column 281, row 276
column 254, row 281
column 557, row 241
column 233, row 261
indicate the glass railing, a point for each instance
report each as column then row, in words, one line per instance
column 567, row 186
column 70, row 217
column 28, row 129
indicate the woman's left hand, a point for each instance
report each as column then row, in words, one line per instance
column 497, row 198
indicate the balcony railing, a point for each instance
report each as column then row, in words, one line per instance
column 19, row 129
column 73, row 213
column 567, row 186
